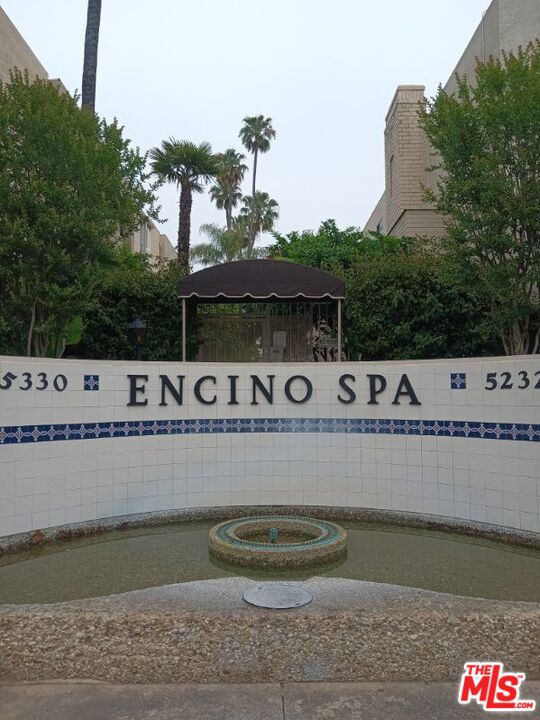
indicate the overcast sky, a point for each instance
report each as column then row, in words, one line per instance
column 324, row 70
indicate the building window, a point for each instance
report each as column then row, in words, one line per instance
column 391, row 176
column 379, row 227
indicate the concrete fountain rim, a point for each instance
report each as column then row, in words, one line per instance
column 327, row 530
column 328, row 544
column 396, row 518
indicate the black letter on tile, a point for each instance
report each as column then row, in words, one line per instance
column 177, row 393
column 377, row 385
column 197, row 389
column 257, row 384
column 350, row 392
column 134, row 389
column 233, row 379
column 405, row 388
column 308, row 392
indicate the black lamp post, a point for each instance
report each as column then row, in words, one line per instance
column 137, row 335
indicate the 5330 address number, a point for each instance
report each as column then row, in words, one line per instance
column 27, row 381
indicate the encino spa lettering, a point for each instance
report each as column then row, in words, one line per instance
column 297, row 389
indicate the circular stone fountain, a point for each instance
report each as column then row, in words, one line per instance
column 278, row 541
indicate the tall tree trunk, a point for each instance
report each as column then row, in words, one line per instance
column 228, row 214
column 255, row 153
column 30, row 336
column 184, row 227
column 40, row 341
column 251, row 234
column 520, row 338
column 536, row 343
column 90, row 55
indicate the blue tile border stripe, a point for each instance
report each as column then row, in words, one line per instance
column 18, row 434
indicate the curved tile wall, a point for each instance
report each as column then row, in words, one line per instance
column 83, row 440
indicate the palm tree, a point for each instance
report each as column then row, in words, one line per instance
column 224, row 245
column 255, row 134
column 190, row 167
column 260, row 212
column 91, row 39
column 226, row 191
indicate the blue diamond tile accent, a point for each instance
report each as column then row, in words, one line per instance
column 91, row 382
column 458, row 381
column 524, row 432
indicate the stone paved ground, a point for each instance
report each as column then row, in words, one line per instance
column 85, row 700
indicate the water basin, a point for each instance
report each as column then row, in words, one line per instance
column 119, row 561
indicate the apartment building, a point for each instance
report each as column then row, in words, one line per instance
column 147, row 240
column 402, row 210
column 16, row 53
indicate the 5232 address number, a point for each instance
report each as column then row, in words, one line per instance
column 506, row 381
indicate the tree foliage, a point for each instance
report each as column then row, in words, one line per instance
column 488, row 139
column 226, row 191
column 256, row 134
column 132, row 288
column 327, row 248
column 69, row 184
column 401, row 301
column 258, row 214
column 224, row 245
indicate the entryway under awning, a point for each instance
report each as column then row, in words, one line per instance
column 264, row 311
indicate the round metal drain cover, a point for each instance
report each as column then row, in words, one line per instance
column 277, row 596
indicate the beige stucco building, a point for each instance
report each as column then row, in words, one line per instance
column 149, row 241
column 401, row 210
column 16, row 53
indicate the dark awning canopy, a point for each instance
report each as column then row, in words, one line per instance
column 260, row 280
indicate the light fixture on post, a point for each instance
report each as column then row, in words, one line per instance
column 137, row 335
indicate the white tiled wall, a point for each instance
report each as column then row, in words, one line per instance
column 44, row 484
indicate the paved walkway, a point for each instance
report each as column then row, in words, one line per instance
column 86, row 700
